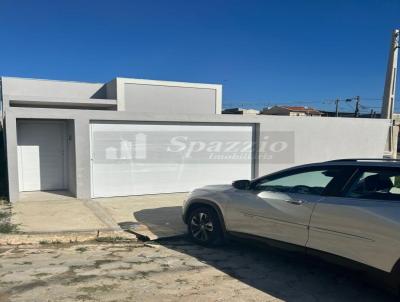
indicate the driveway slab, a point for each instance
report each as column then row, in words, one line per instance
column 65, row 215
column 151, row 216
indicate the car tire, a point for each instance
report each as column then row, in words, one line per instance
column 204, row 227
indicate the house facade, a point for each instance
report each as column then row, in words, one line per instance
column 132, row 137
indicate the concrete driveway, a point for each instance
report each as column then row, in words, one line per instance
column 153, row 216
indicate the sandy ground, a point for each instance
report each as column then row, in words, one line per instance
column 173, row 270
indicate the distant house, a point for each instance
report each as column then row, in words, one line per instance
column 240, row 111
column 291, row 111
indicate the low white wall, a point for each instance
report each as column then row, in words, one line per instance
column 314, row 138
column 319, row 139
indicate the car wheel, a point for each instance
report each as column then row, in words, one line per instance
column 204, row 227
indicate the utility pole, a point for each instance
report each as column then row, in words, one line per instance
column 337, row 107
column 390, row 83
column 357, row 111
column 390, row 92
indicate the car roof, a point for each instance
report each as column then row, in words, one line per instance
column 352, row 162
column 375, row 162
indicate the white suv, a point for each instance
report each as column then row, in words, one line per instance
column 348, row 208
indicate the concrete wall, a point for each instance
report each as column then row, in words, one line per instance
column 135, row 95
column 313, row 138
column 46, row 88
column 111, row 89
column 168, row 99
column 149, row 96
column 321, row 138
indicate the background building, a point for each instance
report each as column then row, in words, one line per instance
column 291, row 111
column 241, row 111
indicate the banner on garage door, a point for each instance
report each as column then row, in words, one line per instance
column 131, row 159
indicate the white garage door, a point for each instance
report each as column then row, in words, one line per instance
column 135, row 159
column 41, row 155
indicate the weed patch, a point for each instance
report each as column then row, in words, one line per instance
column 114, row 239
column 6, row 227
column 82, row 249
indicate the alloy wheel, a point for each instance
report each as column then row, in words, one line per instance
column 201, row 226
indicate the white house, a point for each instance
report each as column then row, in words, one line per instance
column 132, row 136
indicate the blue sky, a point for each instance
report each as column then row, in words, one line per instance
column 263, row 52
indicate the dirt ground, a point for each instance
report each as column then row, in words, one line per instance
column 173, row 270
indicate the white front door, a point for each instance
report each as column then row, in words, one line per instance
column 41, row 151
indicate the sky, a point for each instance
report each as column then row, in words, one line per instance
column 263, row 52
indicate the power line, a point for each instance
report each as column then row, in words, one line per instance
column 325, row 100
column 368, row 103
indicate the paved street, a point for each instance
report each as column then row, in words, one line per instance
column 172, row 270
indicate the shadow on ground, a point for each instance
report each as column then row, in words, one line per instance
column 284, row 275
column 162, row 222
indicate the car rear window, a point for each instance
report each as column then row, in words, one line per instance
column 376, row 184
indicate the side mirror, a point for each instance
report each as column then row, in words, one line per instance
column 242, row 184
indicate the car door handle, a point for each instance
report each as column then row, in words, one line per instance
column 295, row 201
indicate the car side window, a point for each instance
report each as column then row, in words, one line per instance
column 306, row 182
column 376, row 184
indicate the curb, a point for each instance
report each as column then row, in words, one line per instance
column 65, row 237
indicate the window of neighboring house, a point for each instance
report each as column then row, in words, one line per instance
column 306, row 182
column 375, row 184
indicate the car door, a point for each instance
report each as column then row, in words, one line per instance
column 362, row 222
column 279, row 206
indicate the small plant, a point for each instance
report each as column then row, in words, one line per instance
column 81, row 249
column 4, row 201
column 4, row 215
column 44, row 241
column 6, row 227
column 111, row 239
